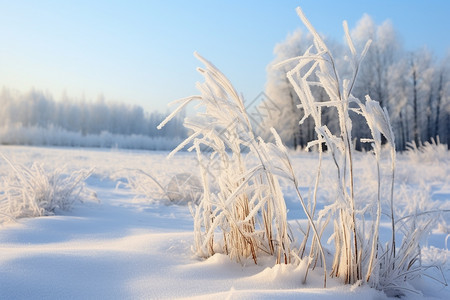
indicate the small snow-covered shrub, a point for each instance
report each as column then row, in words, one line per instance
column 32, row 191
column 416, row 215
column 399, row 266
column 182, row 188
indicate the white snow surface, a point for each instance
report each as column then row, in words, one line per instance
column 128, row 247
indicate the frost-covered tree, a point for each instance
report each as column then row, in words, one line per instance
column 373, row 76
column 421, row 87
column 442, row 101
column 398, row 99
column 280, row 91
column 418, row 92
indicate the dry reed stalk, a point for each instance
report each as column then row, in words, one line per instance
column 246, row 205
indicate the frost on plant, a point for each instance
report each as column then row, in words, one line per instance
column 359, row 253
column 242, row 212
column 182, row 188
column 33, row 192
column 428, row 152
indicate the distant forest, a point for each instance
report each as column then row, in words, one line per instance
column 36, row 118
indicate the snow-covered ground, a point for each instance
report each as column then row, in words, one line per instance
column 128, row 247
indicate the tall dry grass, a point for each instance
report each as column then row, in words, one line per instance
column 242, row 211
column 359, row 253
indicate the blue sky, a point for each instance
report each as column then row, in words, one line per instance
column 141, row 52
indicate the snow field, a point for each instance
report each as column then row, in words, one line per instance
column 133, row 248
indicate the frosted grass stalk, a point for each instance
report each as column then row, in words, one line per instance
column 348, row 257
column 245, row 201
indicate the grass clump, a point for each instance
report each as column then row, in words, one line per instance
column 242, row 212
column 428, row 152
column 181, row 189
column 33, row 192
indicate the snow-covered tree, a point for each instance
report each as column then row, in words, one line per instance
column 373, row 76
column 442, row 101
column 398, row 98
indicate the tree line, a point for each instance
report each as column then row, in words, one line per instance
column 39, row 110
column 413, row 86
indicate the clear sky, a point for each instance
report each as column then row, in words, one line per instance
column 141, row 52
